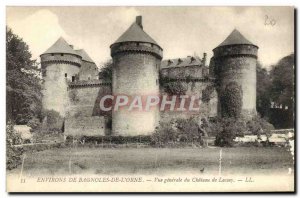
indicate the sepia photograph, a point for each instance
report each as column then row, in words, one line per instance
column 150, row 99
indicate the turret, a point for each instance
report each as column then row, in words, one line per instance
column 88, row 70
column 136, row 60
column 60, row 64
column 234, row 65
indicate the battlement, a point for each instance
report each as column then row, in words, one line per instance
column 236, row 50
column 137, row 47
column 61, row 58
column 90, row 83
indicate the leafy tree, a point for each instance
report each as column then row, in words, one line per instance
column 23, row 84
column 282, row 76
column 263, row 102
column 106, row 71
column 282, row 92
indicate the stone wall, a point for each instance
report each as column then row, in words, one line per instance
column 192, row 72
column 85, row 98
column 85, row 126
column 206, row 108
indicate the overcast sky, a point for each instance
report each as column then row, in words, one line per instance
column 180, row 31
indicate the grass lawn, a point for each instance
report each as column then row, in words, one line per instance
column 84, row 160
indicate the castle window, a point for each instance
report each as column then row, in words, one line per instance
column 52, row 54
column 66, row 75
column 73, row 78
column 89, row 78
column 62, row 54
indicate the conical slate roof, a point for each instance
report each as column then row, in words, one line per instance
column 84, row 55
column 235, row 38
column 60, row 46
column 135, row 33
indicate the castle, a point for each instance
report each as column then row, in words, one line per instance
column 72, row 86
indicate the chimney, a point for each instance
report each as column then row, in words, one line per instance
column 139, row 21
column 204, row 59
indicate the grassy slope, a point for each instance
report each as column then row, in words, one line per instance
column 243, row 160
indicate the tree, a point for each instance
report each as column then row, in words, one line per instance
column 23, row 84
column 263, row 102
column 282, row 76
column 106, row 71
column 282, row 92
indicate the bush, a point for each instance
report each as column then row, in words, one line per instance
column 228, row 129
column 179, row 130
column 35, row 124
column 164, row 133
column 259, row 126
column 189, row 128
column 13, row 154
column 53, row 121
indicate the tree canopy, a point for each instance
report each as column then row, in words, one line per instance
column 23, row 84
column 106, row 71
column 275, row 92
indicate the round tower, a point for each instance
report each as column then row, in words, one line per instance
column 136, row 61
column 235, row 69
column 60, row 64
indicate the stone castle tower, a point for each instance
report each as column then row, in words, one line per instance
column 235, row 65
column 136, row 62
column 61, row 64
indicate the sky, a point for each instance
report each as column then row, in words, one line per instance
column 180, row 31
